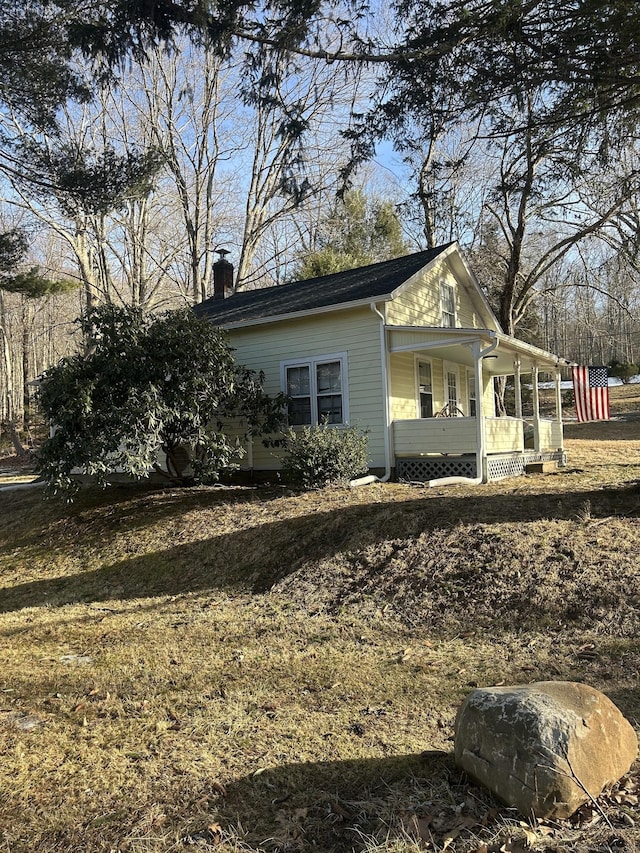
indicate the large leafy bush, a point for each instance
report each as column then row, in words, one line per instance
column 166, row 382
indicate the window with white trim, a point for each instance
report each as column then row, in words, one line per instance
column 448, row 304
column 471, row 385
column 451, row 390
column 317, row 390
column 425, row 390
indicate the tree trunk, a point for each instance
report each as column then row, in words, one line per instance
column 21, row 451
column 7, row 407
column 26, row 345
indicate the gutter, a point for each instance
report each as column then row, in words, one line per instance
column 291, row 315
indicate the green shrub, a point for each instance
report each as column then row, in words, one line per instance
column 623, row 370
column 567, row 398
column 320, row 455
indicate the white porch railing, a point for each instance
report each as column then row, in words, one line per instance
column 458, row 435
column 504, row 435
column 434, row 435
column 550, row 435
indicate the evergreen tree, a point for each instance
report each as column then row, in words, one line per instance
column 585, row 54
column 356, row 232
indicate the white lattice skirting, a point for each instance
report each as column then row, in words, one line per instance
column 499, row 467
column 434, row 467
column 422, row 469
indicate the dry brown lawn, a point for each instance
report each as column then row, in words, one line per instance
column 252, row 669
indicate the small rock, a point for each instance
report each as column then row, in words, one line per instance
column 25, row 722
column 544, row 748
column 81, row 660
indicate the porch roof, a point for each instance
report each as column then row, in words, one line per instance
column 455, row 345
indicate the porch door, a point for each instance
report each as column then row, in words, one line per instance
column 452, row 388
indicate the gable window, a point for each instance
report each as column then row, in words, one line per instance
column 448, row 304
column 425, row 390
column 316, row 388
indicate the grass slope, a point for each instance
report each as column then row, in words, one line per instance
column 254, row 669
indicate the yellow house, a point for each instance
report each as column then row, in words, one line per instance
column 407, row 349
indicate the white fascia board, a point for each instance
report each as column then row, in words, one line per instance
column 297, row 315
column 433, row 344
column 447, row 334
column 535, row 353
column 446, row 330
column 438, row 258
column 441, row 335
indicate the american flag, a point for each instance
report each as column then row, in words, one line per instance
column 591, row 392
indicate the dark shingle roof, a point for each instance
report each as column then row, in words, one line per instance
column 364, row 283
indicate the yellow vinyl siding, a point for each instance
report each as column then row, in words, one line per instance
column 419, row 304
column 437, row 377
column 550, row 435
column 466, row 315
column 355, row 332
column 402, row 385
column 488, row 397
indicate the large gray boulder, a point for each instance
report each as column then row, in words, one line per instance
column 544, row 748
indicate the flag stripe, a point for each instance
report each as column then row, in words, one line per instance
column 591, row 393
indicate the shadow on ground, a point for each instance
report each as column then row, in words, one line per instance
column 434, row 561
column 334, row 806
column 418, row 801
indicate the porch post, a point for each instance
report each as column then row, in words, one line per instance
column 517, row 387
column 558, row 379
column 536, row 408
column 480, row 425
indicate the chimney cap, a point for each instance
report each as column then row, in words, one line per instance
column 222, row 252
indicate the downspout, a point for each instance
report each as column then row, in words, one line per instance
column 480, row 429
column 365, row 481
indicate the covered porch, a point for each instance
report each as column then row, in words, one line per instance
column 443, row 419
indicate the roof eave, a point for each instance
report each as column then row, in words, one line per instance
column 307, row 312
column 532, row 351
column 505, row 341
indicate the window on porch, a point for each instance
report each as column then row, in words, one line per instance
column 425, row 390
column 471, row 385
column 452, row 389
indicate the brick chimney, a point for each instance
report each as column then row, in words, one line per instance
column 222, row 275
